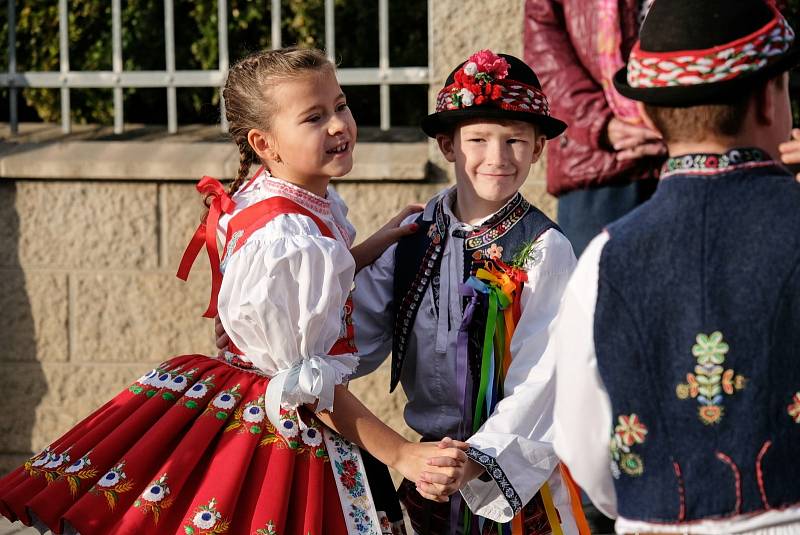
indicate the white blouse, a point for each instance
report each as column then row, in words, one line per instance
column 283, row 294
column 583, row 418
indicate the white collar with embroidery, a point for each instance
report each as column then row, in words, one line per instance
column 272, row 185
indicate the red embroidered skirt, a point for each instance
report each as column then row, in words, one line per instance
column 187, row 449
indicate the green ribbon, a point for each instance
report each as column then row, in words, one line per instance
column 493, row 345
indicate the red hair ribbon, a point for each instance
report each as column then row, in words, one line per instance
column 206, row 232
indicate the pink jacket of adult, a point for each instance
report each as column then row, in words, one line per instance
column 561, row 46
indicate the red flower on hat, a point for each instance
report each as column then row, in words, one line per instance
column 490, row 63
column 474, row 83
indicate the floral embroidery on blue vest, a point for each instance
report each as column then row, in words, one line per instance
column 794, row 408
column 629, row 431
column 710, row 379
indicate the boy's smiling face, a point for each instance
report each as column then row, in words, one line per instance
column 492, row 159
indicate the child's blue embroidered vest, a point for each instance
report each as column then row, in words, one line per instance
column 697, row 333
column 418, row 260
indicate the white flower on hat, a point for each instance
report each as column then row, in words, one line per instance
column 467, row 98
column 471, row 68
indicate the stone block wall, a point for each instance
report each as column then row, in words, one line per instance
column 89, row 298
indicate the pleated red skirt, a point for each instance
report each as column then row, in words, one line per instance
column 187, row 449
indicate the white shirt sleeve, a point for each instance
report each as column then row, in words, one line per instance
column 372, row 312
column 582, row 407
column 519, row 433
column 281, row 302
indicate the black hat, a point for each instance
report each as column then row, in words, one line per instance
column 491, row 86
column 694, row 52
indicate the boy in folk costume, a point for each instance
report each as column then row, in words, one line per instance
column 678, row 332
column 457, row 302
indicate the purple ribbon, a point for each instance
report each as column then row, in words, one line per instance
column 473, row 289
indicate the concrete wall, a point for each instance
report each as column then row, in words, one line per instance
column 88, row 295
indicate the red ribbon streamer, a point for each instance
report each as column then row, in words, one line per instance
column 206, row 232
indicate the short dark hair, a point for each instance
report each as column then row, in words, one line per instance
column 722, row 118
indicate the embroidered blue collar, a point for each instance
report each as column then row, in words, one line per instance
column 716, row 163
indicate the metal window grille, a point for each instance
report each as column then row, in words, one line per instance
column 170, row 78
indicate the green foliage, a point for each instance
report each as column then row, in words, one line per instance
column 196, row 47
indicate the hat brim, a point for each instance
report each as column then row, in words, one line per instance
column 445, row 121
column 694, row 95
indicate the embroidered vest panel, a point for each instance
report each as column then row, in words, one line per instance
column 418, row 262
column 698, row 344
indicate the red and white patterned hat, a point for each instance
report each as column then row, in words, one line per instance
column 492, row 86
column 694, row 52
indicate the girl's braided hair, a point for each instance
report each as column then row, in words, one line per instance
column 248, row 103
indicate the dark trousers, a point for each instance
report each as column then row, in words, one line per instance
column 584, row 213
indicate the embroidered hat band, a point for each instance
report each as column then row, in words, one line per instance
column 504, row 94
column 489, row 86
column 684, row 68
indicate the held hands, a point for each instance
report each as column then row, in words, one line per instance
column 633, row 141
column 447, row 474
column 790, row 151
column 415, row 458
column 370, row 249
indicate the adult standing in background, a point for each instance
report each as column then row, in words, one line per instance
column 607, row 162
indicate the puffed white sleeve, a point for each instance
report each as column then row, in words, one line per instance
column 281, row 302
column 583, row 417
column 515, row 444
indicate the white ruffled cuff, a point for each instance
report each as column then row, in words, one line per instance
column 311, row 380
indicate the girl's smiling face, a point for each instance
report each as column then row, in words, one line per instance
column 312, row 132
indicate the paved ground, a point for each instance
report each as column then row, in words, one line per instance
column 7, row 528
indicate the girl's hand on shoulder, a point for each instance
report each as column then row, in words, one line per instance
column 790, row 152
column 370, row 249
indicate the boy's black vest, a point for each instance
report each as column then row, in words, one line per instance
column 697, row 333
column 418, row 259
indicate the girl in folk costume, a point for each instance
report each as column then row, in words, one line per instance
column 244, row 443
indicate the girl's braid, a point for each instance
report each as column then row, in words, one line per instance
column 247, row 158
